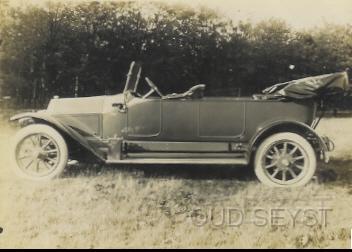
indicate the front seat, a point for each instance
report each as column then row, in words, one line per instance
column 195, row 92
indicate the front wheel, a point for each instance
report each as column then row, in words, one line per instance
column 39, row 152
column 285, row 160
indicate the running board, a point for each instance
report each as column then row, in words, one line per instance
column 213, row 161
column 184, row 155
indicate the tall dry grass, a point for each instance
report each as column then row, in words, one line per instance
column 104, row 207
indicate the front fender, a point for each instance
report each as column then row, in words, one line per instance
column 46, row 118
column 322, row 143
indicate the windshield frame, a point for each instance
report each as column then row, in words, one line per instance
column 133, row 77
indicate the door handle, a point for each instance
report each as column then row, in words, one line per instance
column 121, row 107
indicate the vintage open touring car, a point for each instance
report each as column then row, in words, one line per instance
column 274, row 130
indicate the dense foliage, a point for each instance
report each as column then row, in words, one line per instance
column 86, row 49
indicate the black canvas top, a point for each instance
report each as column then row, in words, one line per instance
column 311, row 87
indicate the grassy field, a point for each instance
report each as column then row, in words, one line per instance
column 178, row 206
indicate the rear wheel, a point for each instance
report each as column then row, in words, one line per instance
column 39, row 152
column 285, row 160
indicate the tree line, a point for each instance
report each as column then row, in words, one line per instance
column 85, row 49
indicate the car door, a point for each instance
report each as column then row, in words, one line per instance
column 221, row 118
column 144, row 118
column 179, row 120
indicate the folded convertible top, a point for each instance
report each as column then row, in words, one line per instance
column 311, row 87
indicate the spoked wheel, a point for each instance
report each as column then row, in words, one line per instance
column 39, row 152
column 285, row 159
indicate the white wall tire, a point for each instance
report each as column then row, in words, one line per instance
column 39, row 152
column 285, row 160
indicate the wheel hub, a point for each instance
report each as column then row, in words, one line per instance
column 38, row 153
column 284, row 162
column 42, row 156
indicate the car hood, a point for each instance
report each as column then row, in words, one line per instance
column 81, row 105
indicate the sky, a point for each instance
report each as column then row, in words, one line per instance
column 298, row 13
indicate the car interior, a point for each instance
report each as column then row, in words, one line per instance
column 195, row 92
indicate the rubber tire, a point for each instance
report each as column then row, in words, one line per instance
column 304, row 144
column 55, row 135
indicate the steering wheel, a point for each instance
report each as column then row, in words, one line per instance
column 153, row 89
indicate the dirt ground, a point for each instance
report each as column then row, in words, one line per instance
column 178, row 206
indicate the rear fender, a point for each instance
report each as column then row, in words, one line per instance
column 66, row 131
column 322, row 145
